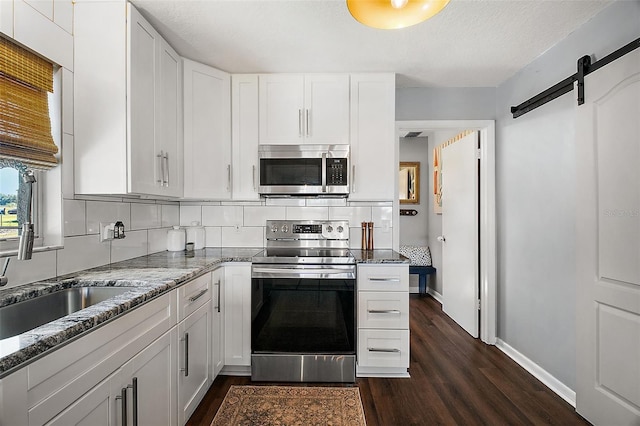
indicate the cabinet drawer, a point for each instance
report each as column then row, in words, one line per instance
column 383, row 277
column 383, row 309
column 193, row 295
column 383, row 348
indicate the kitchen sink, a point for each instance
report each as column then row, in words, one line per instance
column 24, row 316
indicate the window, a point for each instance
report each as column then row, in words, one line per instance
column 13, row 208
column 26, row 142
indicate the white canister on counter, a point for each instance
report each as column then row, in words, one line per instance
column 176, row 239
column 196, row 235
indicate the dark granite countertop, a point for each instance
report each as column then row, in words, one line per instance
column 148, row 276
column 379, row 256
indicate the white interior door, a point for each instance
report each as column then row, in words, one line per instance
column 460, row 232
column 608, row 245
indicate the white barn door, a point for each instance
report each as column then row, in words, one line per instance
column 608, row 245
column 460, row 261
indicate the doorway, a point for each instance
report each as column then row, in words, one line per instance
column 486, row 224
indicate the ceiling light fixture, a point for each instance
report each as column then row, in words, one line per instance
column 394, row 14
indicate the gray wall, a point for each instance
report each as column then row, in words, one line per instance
column 535, row 175
column 535, row 178
column 414, row 229
column 456, row 103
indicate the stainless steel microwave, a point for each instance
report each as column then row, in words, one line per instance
column 287, row 170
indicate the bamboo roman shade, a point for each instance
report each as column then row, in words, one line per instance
column 25, row 126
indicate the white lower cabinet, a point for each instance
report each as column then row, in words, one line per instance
column 93, row 409
column 141, row 392
column 237, row 317
column 194, row 357
column 150, row 384
column 151, row 366
column 383, row 320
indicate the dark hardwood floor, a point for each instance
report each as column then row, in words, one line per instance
column 455, row 380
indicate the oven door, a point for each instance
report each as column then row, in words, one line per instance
column 303, row 323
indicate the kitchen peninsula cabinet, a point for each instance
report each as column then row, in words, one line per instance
column 383, row 320
column 207, row 132
column 373, row 170
column 127, row 104
column 310, row 108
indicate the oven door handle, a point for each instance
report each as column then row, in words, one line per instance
column 289, row 272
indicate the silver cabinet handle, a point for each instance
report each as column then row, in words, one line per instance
column 307, row 122
column 384, row 311
column 166, row 160
column 186, row 355
column 299, row 123
column 353, row 178
column 383, row 350
column 198, row 296
column 161, row 157
column 218, row 284
column 390, row 280
column 254, row 177
column 229, row 178
column 123, row 398
column 134, row 387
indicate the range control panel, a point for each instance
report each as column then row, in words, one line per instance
column 307, row 230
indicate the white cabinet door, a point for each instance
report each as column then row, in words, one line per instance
column 298, row 109
column 93, row 409
column 244, row 136
column 217, row 323
column 281, row 108
column 207, row 132
column 127, row 104
column 237, row 315
column 150, row 380
column 169, row 141
column 374, row 166
column 194, row 360
column 144, row 166
column 326, row 114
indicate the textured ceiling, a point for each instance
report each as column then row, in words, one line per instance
column 471, row 43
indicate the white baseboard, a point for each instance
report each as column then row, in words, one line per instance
column 562, row 390
column 435, row 295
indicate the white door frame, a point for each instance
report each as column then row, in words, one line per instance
column 488, row 253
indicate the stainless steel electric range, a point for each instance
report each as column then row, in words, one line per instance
column 303, row 304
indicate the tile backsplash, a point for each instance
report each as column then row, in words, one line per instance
column 146, row 224
column 227, row 224
column 231, row 224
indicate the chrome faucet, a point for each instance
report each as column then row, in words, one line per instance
column 25, row 246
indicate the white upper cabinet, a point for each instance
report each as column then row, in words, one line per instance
column 374, row 165
column 244, row 134
column 127, row 109
column 207, row 132
column 311, row 108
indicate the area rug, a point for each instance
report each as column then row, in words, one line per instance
column 290, row 405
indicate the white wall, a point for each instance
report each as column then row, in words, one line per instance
column 535, row 174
